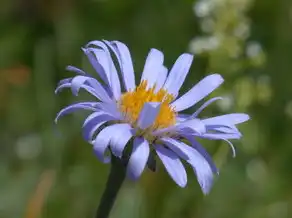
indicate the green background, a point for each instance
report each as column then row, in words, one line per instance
column 48, row 171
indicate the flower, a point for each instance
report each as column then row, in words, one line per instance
column 149, row 114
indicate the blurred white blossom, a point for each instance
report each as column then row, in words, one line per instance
column 28, row 147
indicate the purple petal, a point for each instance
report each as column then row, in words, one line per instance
column 74, row 107
column 78, row 81
column 228, row 119
column 224, row 137
column 110, row 108
column 98, row 60
column 201, row 168
column 93, row 122
column 175, row 146
column 162, row 74
column 109, row 68
column 219, row 128
column 64, row 81
column 196, row 145
column 120, row 139
column 206, row 104
column 198, row 92
column 148, row 114
column 102, row 56
column 200, row 165
column 90, row 84
column 171, row 129
column 112, row 76
column 91, row 130
column 154, row 62
column 193, row 125
column 88, row 88
column 125, row 61
column 178, row 73
column 102, row 140
column 182, row 117
column 173, row 165
column 233, row 130
column 186, row 126
column 75, row 69
column 219, row 136
column 138, row 159
column 92, row 116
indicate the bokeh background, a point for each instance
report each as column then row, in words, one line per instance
column 48, row 171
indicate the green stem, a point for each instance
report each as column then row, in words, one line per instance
column 113, row 185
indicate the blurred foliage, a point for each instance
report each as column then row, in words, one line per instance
column 49, row 171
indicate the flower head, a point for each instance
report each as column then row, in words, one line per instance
column 149, row 114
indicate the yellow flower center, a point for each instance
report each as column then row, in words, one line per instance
column 131, row 104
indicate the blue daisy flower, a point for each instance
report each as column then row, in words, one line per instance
column 148, row 116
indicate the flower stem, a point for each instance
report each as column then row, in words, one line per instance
column 113, row 185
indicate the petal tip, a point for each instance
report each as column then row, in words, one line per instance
column 187, row 57
column 218, row 77
column 182, row 184
column 247, row 117
column 206, row 187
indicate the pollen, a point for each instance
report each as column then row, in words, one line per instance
column 131, row 104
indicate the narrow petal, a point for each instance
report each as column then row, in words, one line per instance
column 102, row 140
column 175, row 146
column 193, row 125
column 196, row 145
column 110, row 68
column 173, row 165
column 224, row 137
column 162, row 74
column 92, row 116
column 78, row 81
column 201, row 168
column 206, row 104
column 125, row 61
column 154, row 62
column 138, row 159
column 88, row 83
column 230, row 129
column 119, row 140
column 224, row 129
column 171, row 129
column 198, row 92
column 112, row 75
column 182, row 117
column 93, row 122
column 102, row 91
column 219, row 136
column 98, row 60
column 227, row 119
column 178, row 74
column 200, row 165
column 75, row 69
column 89, row 131
column 186, row 126
column 148, row 114
column 88, row 88
column 65, row 81
column 110, row 108
column 74, row 107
